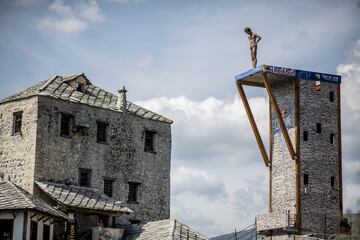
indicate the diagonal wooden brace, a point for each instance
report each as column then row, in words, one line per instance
column 253, row 124
column 279, row 116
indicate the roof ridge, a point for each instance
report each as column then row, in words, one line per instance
column 21, row 192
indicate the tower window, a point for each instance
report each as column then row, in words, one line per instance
column 332, row 138
column 108, row 186
column 17, row 122
column 333, row 182
column 331, row 96
column 149, row 141
column 101, row 132
column 84, row 177
column 306, row 179
column 65, row 125
column 305, row 135
column 133, row 192
column 318, row 127
column 317, row 85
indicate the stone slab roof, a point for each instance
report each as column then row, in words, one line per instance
column 57, row 87
column 82, row 197
column 13, row 197
column 169, row 229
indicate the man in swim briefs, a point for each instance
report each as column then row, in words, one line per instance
column 253, row 40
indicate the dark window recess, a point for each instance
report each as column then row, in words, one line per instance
column 317, row 85
column 332, row 138
column 17, row 122
column 305, row 135
column 318, row 127
column 80, row 87
column 149, row 141
column 333, row 182
column 84, row 177
column 108, row 187
column 46, row 232
column 306, row 179
column 101, row 132
column 65, row 125
column 33, row 230
column 331, row 97
column 133, row 192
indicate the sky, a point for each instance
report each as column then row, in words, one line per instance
column 179, row 58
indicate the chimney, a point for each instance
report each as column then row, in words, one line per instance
column 121, row 101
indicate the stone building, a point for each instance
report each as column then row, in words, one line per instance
column 304, row 160
column 69, row 132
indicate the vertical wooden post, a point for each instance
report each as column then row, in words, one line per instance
column 278, row 115
column 253, row 124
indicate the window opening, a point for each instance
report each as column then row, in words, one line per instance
column 65, row 125
column 332, row 138
column 149, row 141
column 101, row 132
column 331, row 97
column 306, row 179
column 133, row 192
column 333, row 182
column 84, row 177
column 17, row 122
column 317, row 85
column 305, row 135
column 318, row 127
column 108, row 186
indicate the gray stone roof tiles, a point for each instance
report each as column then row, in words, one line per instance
column 13, row 197
column 81, row 197
column 169, row 229
column 57, row 87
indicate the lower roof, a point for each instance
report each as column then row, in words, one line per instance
column 74, row 197
column 13, row 197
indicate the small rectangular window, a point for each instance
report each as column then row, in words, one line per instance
column 149, row 141
column 84, row 177
column 46, row 232
column 333, row 182
column 33, row 230
column 101, row 132
column 331, row 97
column 133, row 192
column 17, row 122
column 318, row 127
column 65, row 125
column 108, row 186
column 317, row 85
column 305, row 135
column 306, row 179
column 332, row 138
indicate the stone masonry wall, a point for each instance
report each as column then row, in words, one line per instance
column 122, row 158
column 319, row 158
column 17, row 151
column 283, row 166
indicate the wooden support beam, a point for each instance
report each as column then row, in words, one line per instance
column 253, row 124
column 278, row 115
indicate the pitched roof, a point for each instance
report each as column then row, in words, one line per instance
column 13, row 197
column 57, row 87
column 82, row 197
column 169, row 229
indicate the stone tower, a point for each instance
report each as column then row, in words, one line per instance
column 304, row 160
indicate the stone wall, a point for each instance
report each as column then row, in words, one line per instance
column 122, row 158
column 17, row 151
column 319, row 158
column 283, row 194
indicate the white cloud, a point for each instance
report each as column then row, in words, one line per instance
column 197, row 182
column 69, row 18
column 144, row 61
